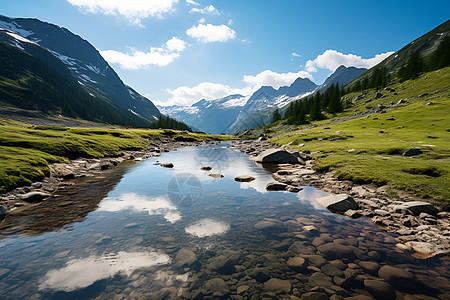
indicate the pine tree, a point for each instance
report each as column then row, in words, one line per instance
column 276, row 116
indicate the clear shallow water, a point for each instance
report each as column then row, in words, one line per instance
column 127, row 246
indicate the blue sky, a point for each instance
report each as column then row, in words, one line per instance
column 180, row 51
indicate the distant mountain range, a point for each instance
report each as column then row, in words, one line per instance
column 77, row 60
column 235, row 113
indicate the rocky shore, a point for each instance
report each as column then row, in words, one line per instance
column 62, row 174
column 421, row 227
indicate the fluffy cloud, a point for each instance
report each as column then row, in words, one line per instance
column 191, row 2
column 296, row 54
column 175, row 44
column 332, row 59
column 134, row 10
column 207, row 10
column 211, row 33
column 140, row 60
column 206, row 90
column 276, row 80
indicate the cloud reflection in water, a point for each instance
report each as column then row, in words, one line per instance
column 152, row 205
column 81, row 273
column 207, row 227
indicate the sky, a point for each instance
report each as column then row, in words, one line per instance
column 181, row 51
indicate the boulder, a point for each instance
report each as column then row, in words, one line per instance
column 417, row 207
column 260, row 274
column 224, row 264
column 167, row 165
column 296, row 263
column 244, row 178
column 34, row 197
column 215, row 175
column 276, row 156
column 217, row 285
column 331, row 270
column 370, row 266
column 185, row 257
column 314, row 296
column 278, row 286
column 336, row 251
column 412, row 151
column 276, row 186
column 339, row 203
column 320, row 279
column 399, row 278
column 380, row 290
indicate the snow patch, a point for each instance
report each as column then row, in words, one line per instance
column 14, row 27
column 87, row 78
column 19, row 38
column 236, row 102
column 94, row 69
column 65, row 59
column 133, row 112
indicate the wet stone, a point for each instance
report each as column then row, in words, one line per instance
column 217, row 285
column 314, row 296
column 34, row 197
column 296, row 263
column 331, row 270
column 277, row 286
column 340, row 203
column 399, row 278
column 320, row 279
column 380, row 290
column 241, row 289
column 260, row 274
column 335, row 250
column 370, row 266
column 244, row 178
column 185, row 257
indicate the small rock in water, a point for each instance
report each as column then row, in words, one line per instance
column 207, row 168
column 215, row 175
column 293, row 189
column 217, row 285
column 167, row 165
column 309, row 228
column 260, row 274
column 3, row 213
column 296, row 263
column 276, row 186
column 315, row 296
column 399, row 278
column 104, row 240
column 244, row 178
column 185, row 257
column 131, row 225
column 354, row 214
column 34, row 197
column 267, row 225
column 242, row 289
column 4, row 272
column 277, row 286
column 340, row 203
column 380, row 289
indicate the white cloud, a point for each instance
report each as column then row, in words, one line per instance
column 206, row 90
column 332, row 59
column 211, row 33
column 202, row 20
column 276, row 80
column 140, row 60
column 210, row 9
column 296, row 54
column 191, row 2
column 175, row 44
column 134, row 10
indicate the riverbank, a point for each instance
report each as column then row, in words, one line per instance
column 36, row 160
column 423, row 233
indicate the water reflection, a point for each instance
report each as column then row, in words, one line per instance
column 81, row 273
column 133, row 201
column 207, row 227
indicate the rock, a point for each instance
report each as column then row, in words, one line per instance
column 412, row 151
column 215, row 175
column 315, row 260
column 336, row 251
column 378, row 95
column 276, row 186
column 320, row 279
column 401, row 101
column 314, row 296
column 380, row 290
column 276, row 156
column 244, row 178
column 267, row 225
column 167, row 165
column 354, row 214
column 260, row 274
column 390, row 119
column 310, row 228
column 3, row 213
column 217, row 285
column 417, row 207
column 224, row 264
column 36, row 185
column 278, row 286
column 370, row 266
column 293, row 189
column 340, row 203
column 207, row 168
column 331, row 270
column 185, row 139
column 34, row 197
column 242, row 289
column 422, row 247
column 381, row 212
column 185, row 257
column 131, row 225
column 399, row 278
column 296, row 263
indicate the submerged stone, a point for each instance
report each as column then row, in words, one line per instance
column 399, row 278
column 278, row 286
column 380, row 290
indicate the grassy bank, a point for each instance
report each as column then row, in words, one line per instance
column 26, row 151
column 368, row 149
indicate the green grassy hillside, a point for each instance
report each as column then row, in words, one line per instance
column 26, row 151
column 366, row 147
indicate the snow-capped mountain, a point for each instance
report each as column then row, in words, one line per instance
column 93, row 73
column 213, row 116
